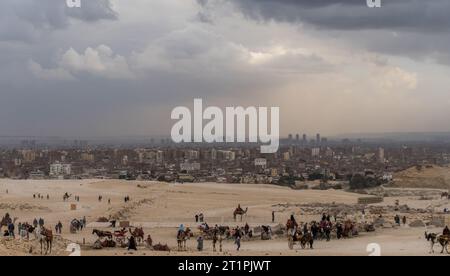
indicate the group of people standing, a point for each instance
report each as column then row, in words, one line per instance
column 39, row 196
column 399, row 220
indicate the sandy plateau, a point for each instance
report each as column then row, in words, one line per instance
column 160, row 208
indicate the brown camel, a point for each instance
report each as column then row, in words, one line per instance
column 45, row 236
column 182, row 237
column 240, row 212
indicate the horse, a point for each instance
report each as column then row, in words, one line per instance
column 66, row 196
column 45, row 236
column 138, row 234
column 102, row 234
column 442, row 240
column 182, row 237
column 307, row 238
column 266, row 233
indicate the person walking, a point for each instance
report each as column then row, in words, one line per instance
column 11, row 230
column 132, row 244
column 238, row 242
column 60, row 226
column 200, row 243
column 237, row 238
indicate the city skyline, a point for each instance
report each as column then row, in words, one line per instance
column 332, row 67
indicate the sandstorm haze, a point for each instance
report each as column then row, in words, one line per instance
column 116, row 67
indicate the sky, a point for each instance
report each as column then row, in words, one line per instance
column 119, row 67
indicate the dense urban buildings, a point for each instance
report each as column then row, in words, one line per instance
column 331, row 162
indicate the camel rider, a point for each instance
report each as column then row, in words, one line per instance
column 180, row 229
column 446, row 231
column 239, row 208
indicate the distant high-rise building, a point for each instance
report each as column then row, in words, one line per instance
column 297, row 138
column 315, row 152
column 305, row 139
column 159, row 156
column 290, row 137
column 381, row 155
column 318, row 138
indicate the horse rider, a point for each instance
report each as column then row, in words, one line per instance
column 446, row 231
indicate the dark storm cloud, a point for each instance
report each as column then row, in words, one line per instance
column 416, row 29
column 26, row 20
column 411, row 15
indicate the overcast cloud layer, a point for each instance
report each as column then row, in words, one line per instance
column 116, row 67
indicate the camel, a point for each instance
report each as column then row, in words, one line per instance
column 182, row 237
column 45, row 236
column 138, row 234
column 102, row 234
column 7, row 220
column 239, row 211
column 442, row 240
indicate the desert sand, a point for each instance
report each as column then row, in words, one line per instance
column 160, row 208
